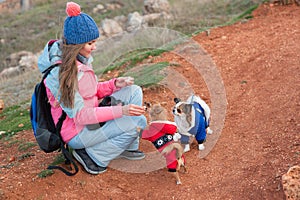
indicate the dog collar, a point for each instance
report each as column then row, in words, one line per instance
column 161, row 141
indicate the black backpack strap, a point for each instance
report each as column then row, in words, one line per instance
column 47, row 71
column 68, row 157
column 65, row 150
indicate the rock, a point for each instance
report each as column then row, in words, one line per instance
column 99, row 8
column 151, row 18
column 19, row 62
column 135, row 22
column 51, row 24
column 121, row 20
column 11, row 159
column 14, row 59
column 114, row 5
column 110, row 27
column 156, row 6
column 291, row 183
column 28, row 61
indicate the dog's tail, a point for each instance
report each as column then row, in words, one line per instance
column 174, row 145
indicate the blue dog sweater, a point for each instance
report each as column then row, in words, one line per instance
column 199, row 129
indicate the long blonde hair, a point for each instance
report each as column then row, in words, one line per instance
column 68, row 82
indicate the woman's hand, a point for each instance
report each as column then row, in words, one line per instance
column 124, row 81
column 133, row 110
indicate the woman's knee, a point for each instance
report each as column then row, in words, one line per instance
column 142, row 122
column 134, row 91
column 129, row 94
column 137, row 89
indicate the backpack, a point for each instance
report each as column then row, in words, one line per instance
column 45, row 132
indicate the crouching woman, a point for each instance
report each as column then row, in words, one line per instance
column 73, row 87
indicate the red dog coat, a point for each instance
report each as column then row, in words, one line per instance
column 160, row 133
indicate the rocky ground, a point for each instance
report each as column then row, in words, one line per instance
column 259, row 63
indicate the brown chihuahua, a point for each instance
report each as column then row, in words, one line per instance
column 161, row 133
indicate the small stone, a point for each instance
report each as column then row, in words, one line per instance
column 11, row 159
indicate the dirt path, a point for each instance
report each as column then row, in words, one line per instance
column 259, row 63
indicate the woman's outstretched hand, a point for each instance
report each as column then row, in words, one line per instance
column 133, row 110
column 124, row 81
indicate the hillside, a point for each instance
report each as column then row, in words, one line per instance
column 259, row 63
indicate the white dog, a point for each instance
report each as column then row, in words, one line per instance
column 192, row 119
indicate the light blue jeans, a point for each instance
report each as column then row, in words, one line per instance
column 106, row 143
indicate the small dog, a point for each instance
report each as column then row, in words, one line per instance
column 161, row 133
column 192, row 119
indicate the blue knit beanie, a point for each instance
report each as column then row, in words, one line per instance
column 79, row 27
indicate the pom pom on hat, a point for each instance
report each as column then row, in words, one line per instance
column 73, row 9
column 79, row 28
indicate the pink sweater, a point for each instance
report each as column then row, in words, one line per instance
column 87, row 112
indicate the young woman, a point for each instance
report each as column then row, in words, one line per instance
column 73, row 87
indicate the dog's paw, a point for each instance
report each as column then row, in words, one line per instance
column 176, row 137
column 186, row 148
column 209, row 131
column 201, row 147
column 178, row 183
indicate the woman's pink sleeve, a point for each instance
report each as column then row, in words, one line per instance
column 106, row 88
column 104, row 114
column 101, row 114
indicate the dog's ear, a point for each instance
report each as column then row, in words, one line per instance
column 157, row 109
column 187, row 108
column 177, row 100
